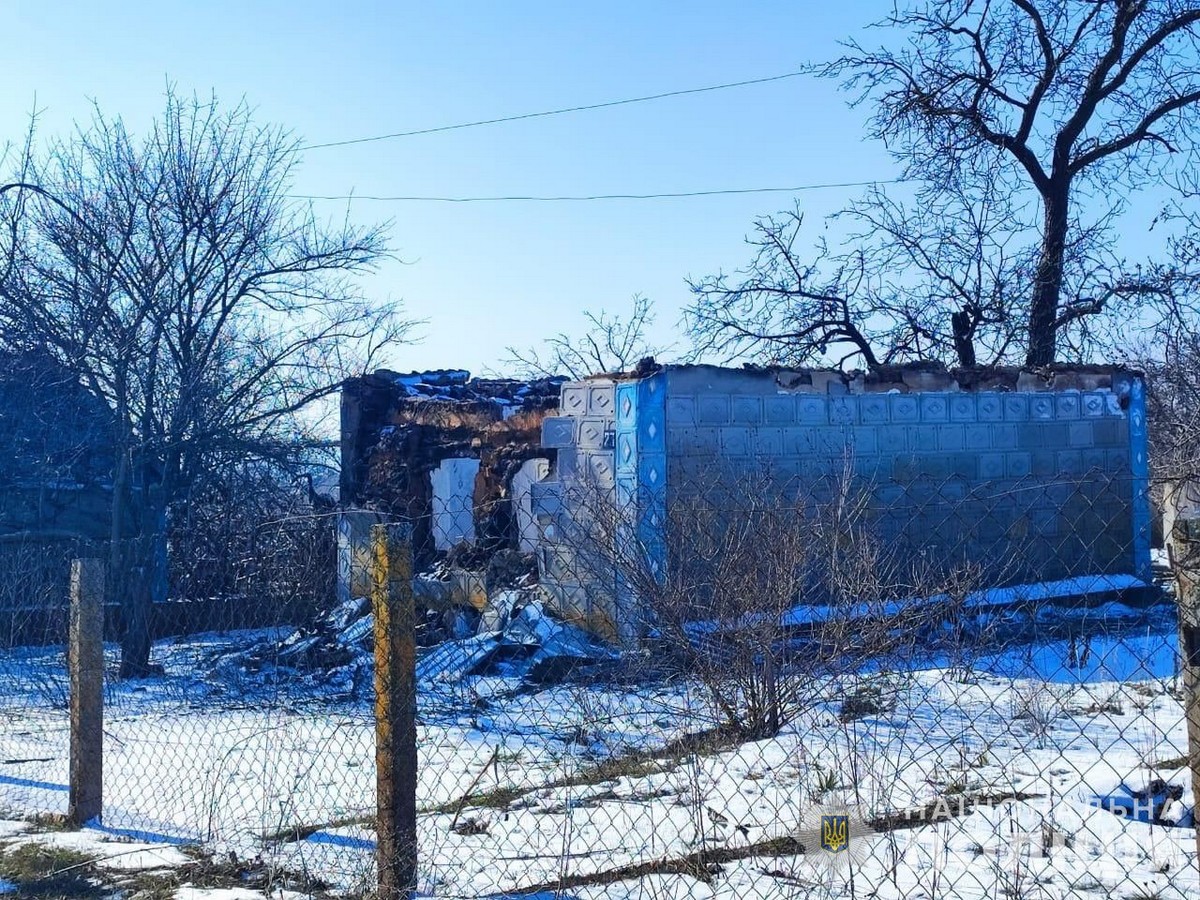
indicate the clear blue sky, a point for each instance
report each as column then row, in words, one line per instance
column 486, row 276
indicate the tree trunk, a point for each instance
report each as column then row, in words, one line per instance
column 1048, row 278
column 116, row 534
column 964, row 345
column 135, row 639
column 122, row 562
column 146, row 582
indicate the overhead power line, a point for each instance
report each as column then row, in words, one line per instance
column 553, row 112
column 529, row 198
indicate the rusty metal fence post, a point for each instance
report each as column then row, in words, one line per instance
column 395, row 711
column 86, row 658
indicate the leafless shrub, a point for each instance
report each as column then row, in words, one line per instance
column 34, row 574
column 767, row 595
column 253, row 534
column 1038, row 704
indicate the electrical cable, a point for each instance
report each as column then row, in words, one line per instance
column 522, row 198
column 553, row 112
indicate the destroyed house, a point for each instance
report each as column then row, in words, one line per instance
column 452, row 454
column 1040, row 477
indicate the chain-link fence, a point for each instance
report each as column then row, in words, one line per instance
column 818, row 687
column 749, row 682
column 243, row 721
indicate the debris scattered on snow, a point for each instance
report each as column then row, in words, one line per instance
column 498, row 611
column 520, row 641
column 513, row 637
column 334, row 650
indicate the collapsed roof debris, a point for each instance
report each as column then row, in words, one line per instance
column 458, row 386
column 514, row 638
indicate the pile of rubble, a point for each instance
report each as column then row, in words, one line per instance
column 513, row 637
column 518, row 639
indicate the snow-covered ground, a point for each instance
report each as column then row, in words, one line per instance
column 112, row 863
column 564, row 782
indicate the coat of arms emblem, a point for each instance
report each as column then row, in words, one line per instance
column 835, row 833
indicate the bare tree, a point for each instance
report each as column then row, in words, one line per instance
column 183, row 285
column 1171, row 361
column 1022, row 126
column 249, row 532
column 13, row 208
column 1063, row 97
column 767, row 591
column 918, row 282
column 611, row 343
column 1168, row 350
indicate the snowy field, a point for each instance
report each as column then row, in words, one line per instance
column 1010, row 776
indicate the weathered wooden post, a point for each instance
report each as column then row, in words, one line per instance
column 86, row 661
column 395, row 711
column 1183, row 545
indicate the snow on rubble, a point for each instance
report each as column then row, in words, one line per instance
column 519, row 639
column 516, row 638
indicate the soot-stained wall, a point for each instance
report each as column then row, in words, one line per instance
column 440, row 450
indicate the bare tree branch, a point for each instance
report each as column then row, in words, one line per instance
column 611, row 343
column 1045, row 96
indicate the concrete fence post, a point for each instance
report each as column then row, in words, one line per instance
column 86, row 663
column 395, row 711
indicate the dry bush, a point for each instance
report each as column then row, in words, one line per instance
column 34, row 578
column 252, row 535
column 768, row 595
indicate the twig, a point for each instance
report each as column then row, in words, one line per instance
column 474, row 781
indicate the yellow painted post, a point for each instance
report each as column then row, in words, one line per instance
column 85, row 799
column 395, row 711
